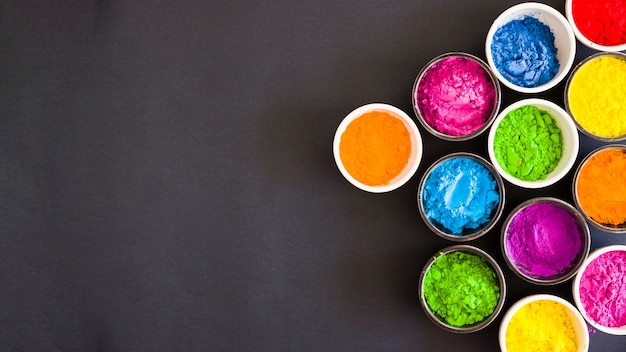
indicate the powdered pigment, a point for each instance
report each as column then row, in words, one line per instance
column 460, row 195
column 597, row 95
column 601, row 21
column 528, row 143
column 456, row 96
column 461, row 288
column 603, row 289
column 524, row 53
column 544, row 240
column 601, row 187
column 542, row 325
column 375, row 148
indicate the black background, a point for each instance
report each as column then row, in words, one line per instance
column 167, row 180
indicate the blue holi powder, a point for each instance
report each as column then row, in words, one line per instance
column 523, row 52
column 460, row 195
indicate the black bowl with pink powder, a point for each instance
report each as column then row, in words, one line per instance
column 456, row 96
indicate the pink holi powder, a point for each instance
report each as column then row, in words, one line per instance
column 456, row 96
column 603, row 289
column 544, row 240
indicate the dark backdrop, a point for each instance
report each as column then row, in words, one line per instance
column 167, row 180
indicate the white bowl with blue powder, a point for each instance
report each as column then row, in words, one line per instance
column 461, row 197
column 530, row 47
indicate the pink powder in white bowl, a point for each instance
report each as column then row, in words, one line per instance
column 456, row 96
column 599, row 289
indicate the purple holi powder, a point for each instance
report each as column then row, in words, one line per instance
column 544, row 240
column 456, row 96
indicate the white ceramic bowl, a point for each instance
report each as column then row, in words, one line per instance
column 584, row 40
column 564, row 41
column 576, row 290
column 570, row 143
column 416, row 147
column 577, row 320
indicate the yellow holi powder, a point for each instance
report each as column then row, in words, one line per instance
column 597, row 96
column 541, row 326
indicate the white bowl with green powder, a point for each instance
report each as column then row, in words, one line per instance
column 462, row 289
column 533, row 143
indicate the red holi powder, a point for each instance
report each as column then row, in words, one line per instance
column 601, row 21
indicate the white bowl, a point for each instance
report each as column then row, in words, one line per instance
column 584, row 40
column 564, row 41
column 577, row 320
column 416, row 147
column 576, row 290
column 570, row 143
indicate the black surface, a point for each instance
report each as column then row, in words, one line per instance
column 167, row 179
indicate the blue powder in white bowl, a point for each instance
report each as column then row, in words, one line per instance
column 524, row 53
column 460, row 196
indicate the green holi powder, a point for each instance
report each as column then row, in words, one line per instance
column 528, row 144
column 461, row 288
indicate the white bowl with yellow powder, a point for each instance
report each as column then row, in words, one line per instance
column 377, row 147
column 543, row 322
column 595, row 96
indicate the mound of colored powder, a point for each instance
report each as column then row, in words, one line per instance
column 544, row 240
column 543, row 325
column 597, row 96
column 375, row 148
column 456, row 96
column 523, row 52
column 460, row 195
column 603, row 289
column 461, row 288
column 601, row 187
column 601, row 21
column 528, row 143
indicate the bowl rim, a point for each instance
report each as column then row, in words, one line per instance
column 411, row 128
column 581, row 37
column 581, row 165
column 566, row 100
column 586, row 237
column 492, row 116
column 529, row 7
column 506, row 318
column 576, row 289
column 564, row 117
column 498, row 210
column 494, row 266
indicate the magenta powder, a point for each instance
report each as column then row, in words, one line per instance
column 544, row 241
column 455, row 96
column 603, row 289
